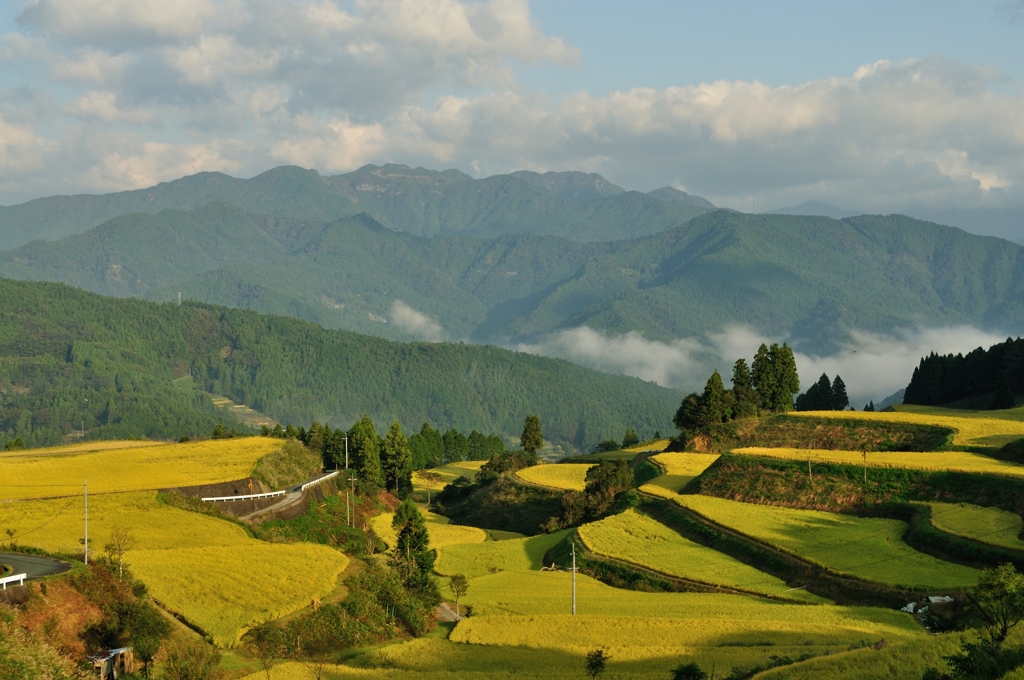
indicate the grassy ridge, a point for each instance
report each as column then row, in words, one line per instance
column 988, row 525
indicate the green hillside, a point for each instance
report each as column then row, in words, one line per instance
column 812, row 278
column 417, row 201
column 67, row 356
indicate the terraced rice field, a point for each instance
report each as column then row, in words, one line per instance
column 636, row 538
column 441, row 532
column 680, row 469
column 658, row 445
column 565, row 476
column 954, row 461
column 198, row 566
column 988, row 525
column 136, row 468
column 974, row 428
column 449, row 473
column 479, row 559
column 867, row 548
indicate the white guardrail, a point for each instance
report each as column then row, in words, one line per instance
column 254, row 496
column 317, row 481
column 20, row 578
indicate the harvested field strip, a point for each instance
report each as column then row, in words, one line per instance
column 636, row 538
column 867, row 548
column 948, row 461
column 988, row 525
column 973, row 428
column 441, row 532
column 680, row 469
column 479, row 559
column 566, row 476
column 132, row 469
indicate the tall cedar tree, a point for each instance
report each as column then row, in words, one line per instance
column 364, row 445
column 774, row 377
column 687, row 418
column 713, row 407
column 397, row 459
column 818, row 397
column 630, row 438
column 532, row 438
column 744, row 398
column 412, row 556
column 840, row 400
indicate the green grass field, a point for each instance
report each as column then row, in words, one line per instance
column 953, row 461
column 680, row 469
column 988, row 525
column 867, row 548
column 479, row 559
column 564, row 476
column 636, row 538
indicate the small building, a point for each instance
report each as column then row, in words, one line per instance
column 113, row 663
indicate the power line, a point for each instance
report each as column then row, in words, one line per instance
column 59, row 513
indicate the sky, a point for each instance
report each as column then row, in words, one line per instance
column 875, row 106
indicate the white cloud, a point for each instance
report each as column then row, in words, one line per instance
column 872, row 365
column 415, row 323
column 333, row 85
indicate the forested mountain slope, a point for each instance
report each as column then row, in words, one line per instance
column 813, row 279
column 417, row 201
column 68, row 355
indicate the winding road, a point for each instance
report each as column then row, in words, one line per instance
column 33, row 565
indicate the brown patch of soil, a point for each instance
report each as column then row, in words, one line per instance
column 59, row 616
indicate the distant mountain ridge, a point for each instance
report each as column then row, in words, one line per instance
column 817, row 208
column 812, row 279
column 415, row 200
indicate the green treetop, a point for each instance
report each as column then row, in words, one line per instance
column 531, row 439
column 397, row 459
column 364, row 446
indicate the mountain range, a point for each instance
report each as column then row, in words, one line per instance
column 422, row 202
column 812, row 279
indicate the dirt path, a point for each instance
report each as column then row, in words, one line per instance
column 446, row 612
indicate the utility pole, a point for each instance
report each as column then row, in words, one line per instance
column 346, row 452
column 352, row 516
column 86, row 542
column 865, row 454
column 574, row 578
column 810, row 477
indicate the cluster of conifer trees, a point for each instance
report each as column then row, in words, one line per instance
column 766, row 386
column 995, row 375
column 825, row 395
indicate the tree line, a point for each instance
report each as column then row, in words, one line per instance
column 993, row 376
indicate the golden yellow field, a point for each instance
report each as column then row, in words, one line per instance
column 566, row 476
column 988, row 525
column 639, row 539
column 448, row 473
column 155, row 526
column 973, row 428
column 202, row 567
column 958, row 461
column 226, row 589
column 441, row 532
column 868, row 548
column 58, row 472
column 680, row 469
